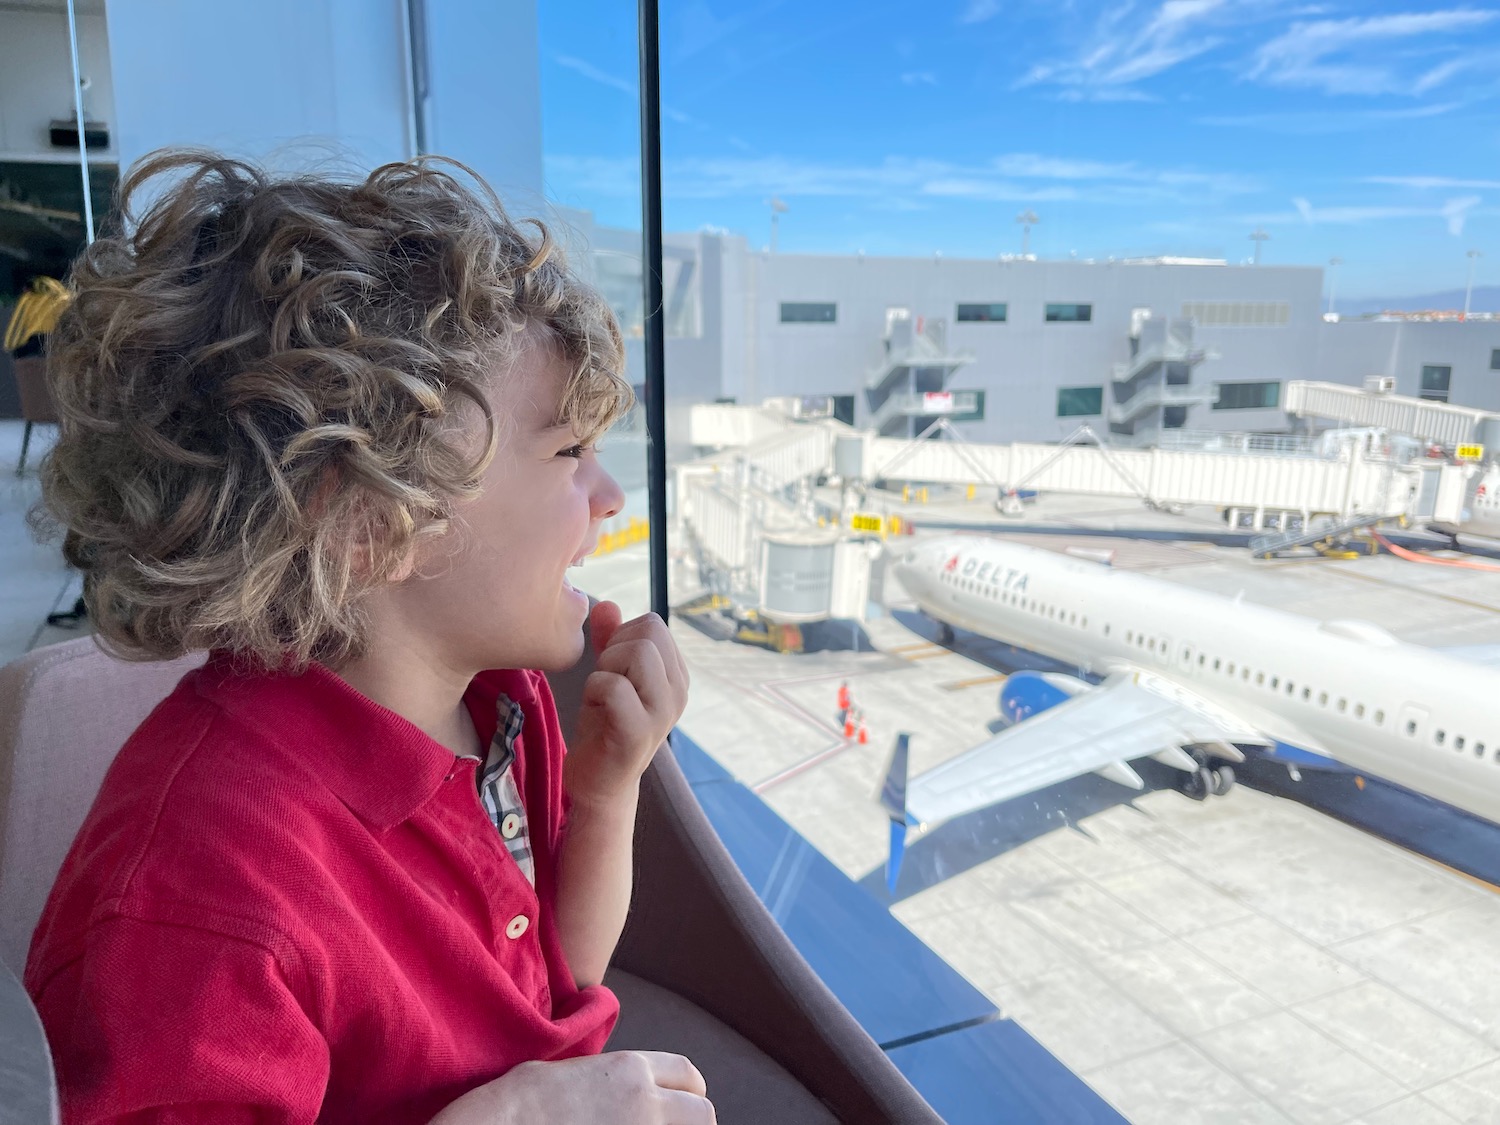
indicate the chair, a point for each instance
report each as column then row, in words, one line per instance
column 702, row 967
column 36, row 400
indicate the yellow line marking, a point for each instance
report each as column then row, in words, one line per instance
column 914, row 647
column 937, row 651
column 976, row 681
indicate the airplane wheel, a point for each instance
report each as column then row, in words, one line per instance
column 945, row 634
column 1199, row 784
column 1223, row 780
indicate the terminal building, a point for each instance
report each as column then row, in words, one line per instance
column 1020, row 349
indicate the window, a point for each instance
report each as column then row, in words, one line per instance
column 1435, row 381
column 1069, row 313
column 1440, row 737
column 1248, row 396
column 1458, row 742
column 982, row 314
column 1380, row 718
column 1078, row 402
column 1223, row 314
column 1495, row 359
column 809, row 312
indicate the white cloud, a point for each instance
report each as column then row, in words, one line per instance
column 594, row 74
column 615, row 82
column 1430, row 183
column 900, row 182
column 1128, row 45
column 979, row 11
column 1356, row 55
column 919, row 78
column 1453, row 213
column 1318, row 122
column 1456, row 211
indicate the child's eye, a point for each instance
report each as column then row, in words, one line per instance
column 574, row 451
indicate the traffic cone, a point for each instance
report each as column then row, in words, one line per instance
column 864, row 733
column 849, row 726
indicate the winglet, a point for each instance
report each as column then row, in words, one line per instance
column 893, row 800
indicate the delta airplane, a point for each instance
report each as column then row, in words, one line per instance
column 1189, row 679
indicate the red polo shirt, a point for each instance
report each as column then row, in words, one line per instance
column 287, row 903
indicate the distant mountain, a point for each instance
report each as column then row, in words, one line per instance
column 1486, row 299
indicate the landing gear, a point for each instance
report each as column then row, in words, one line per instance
column 945, row 633
column 1207, row 781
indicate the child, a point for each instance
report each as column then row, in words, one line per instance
column 340, row 435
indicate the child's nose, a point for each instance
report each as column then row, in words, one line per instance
column 607, row 498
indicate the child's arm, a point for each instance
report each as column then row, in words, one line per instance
column 630, row 703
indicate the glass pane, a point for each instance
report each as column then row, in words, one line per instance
column 1190, row 221
column 590, row 149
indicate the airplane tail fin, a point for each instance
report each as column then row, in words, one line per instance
column 893, row 800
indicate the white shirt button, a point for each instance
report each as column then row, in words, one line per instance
column 517, row 926
column 510, row 827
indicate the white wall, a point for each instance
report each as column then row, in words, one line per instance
column 303, row 81
column 1351, row 350
column 36, row 82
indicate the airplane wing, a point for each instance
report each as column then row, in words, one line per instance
column 1130, row 715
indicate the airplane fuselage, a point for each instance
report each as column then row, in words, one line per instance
column 1345, row 689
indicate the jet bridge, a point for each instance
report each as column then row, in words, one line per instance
column 1348, row 479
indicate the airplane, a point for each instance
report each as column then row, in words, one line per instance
column 1191, row 679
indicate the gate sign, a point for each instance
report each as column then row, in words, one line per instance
column 863, row 522
column 1469, row 453
column 937, row 402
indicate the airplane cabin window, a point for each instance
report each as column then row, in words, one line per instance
column 1359, row 710
column 1275, row 682
column 1380, row 718
column 1322, row 699
column 1440, row 736
column 1307, row 694
column 1216, row 664
column 1260, row 678
column 1458, row 742
column 1411, row 727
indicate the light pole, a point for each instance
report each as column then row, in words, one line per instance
column 778, row 208
column 1257, row 236
column 1333, row 279
column 1474, row 256
column 1026, row 218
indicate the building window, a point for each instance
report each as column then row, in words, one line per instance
column 809, row 312
column 1495, row 359
column 1435, row 381
column 1226, row 314
column 1069, row 313
column 1248, row 396
column 993, row 313
column 1074, row 402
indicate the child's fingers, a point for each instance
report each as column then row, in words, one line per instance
column 642, row 664
column 604, row 621
column 651, row 627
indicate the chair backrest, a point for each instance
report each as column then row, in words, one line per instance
column 65, row 711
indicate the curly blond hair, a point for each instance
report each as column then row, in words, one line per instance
column 272, row 388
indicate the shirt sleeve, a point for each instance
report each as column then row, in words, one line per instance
column 161, row 1023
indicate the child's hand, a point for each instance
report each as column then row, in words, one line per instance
column 631, row 701
column 626, row 1087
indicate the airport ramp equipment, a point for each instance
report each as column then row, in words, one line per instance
column 1273, row 543
column 1439, row 422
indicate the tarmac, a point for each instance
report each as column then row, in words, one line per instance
column 1245, row 960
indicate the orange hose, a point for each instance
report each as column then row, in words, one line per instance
column 1413, row 556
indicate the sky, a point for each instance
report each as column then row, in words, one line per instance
column 1366, row 131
